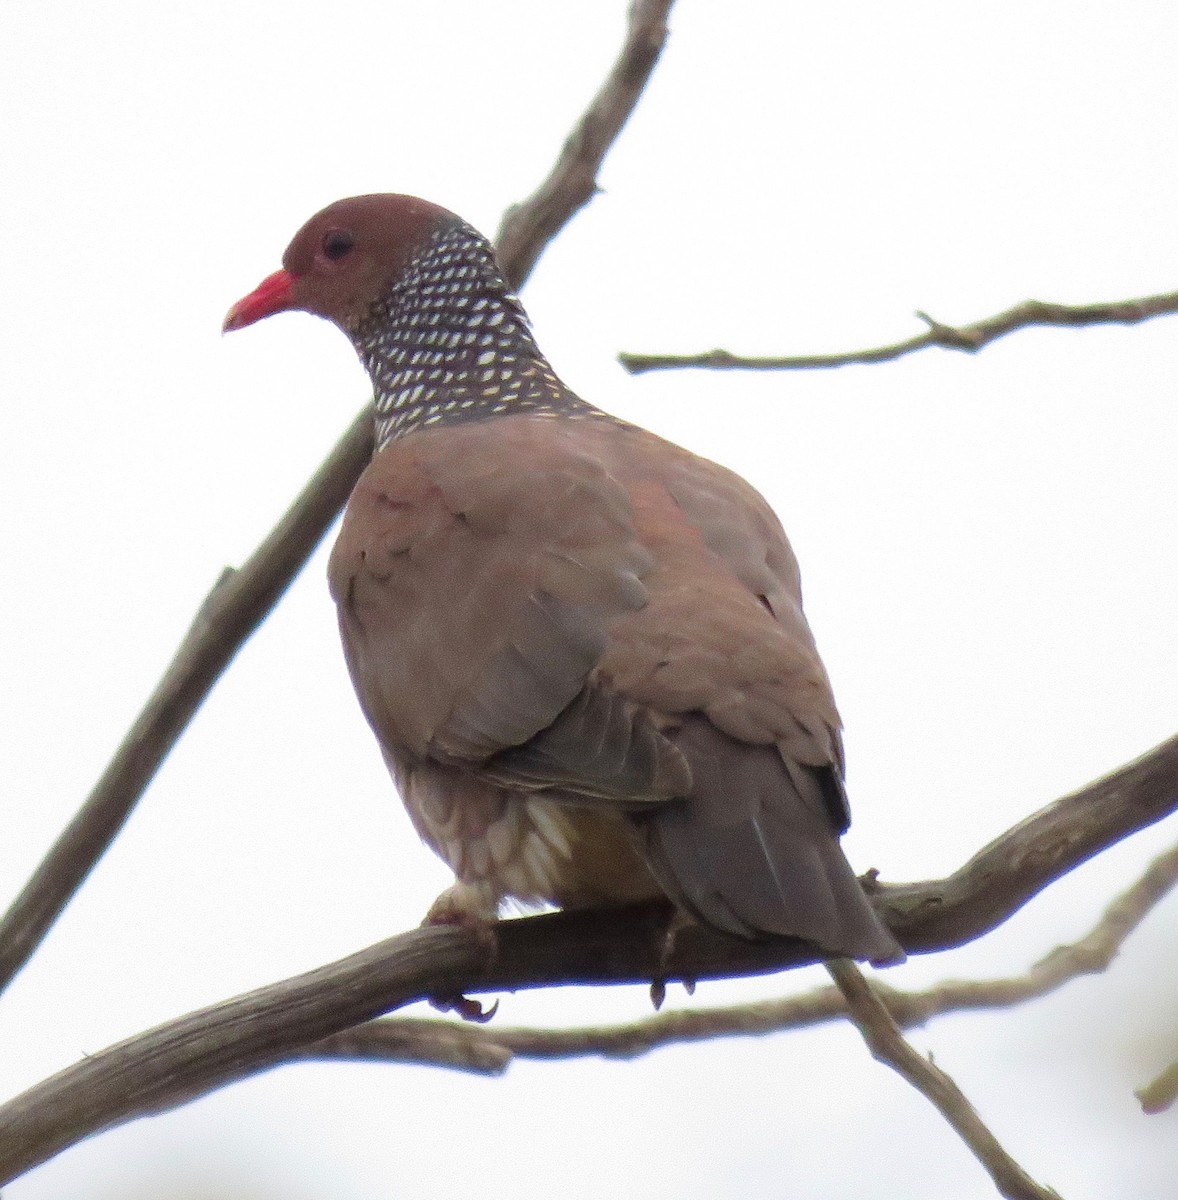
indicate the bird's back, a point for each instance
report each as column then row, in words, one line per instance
column 580, row 611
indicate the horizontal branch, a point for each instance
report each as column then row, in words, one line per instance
column 241, row 598
column 971, row 338
column 491, row 1049
column 178, row 1061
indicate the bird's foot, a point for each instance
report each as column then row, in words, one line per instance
column 676, row 921
column 467, row 1007
column 469, row 907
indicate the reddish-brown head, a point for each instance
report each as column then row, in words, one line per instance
column 344, row 259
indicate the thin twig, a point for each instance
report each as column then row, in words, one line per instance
column 889, row 1046
column 192, row 1056
column 970, row 338
column 241, row 599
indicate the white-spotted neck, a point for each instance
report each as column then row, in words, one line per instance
column 449, row 342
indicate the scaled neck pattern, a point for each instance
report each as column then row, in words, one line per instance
column 450, row 343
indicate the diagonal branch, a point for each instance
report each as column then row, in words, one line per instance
column 1004, row 875
column 970, row 338
column 192, row 1056
column 189, row 1057
column 241, row 598
column 889, row 1046
column 229, row 614
column 528, row 227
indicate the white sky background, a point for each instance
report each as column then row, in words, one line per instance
column 987, row 543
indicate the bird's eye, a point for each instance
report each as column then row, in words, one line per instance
column 336, row 244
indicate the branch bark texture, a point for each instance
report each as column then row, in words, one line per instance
column 187, row 1058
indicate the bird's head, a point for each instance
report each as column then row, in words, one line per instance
column 344, row 259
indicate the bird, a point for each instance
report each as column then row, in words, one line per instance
column 581, row 647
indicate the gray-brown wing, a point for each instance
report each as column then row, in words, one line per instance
column 476, row 576
column 600, row 747
column 723, row 656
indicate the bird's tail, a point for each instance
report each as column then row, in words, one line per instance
column 752, row 850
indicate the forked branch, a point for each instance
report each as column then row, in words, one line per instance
column 189, row 1057
column 971, row 338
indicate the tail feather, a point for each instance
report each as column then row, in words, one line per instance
column 752, row 850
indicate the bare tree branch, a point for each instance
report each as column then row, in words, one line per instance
column 1005, row 874
column 970, row 338
column 889, row 1046
column 327, row 1012
column 490, row 1049
column 528, row 227
column 191, row 1056
column 229, row 614
column 184, row 1059
column 241, row 599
